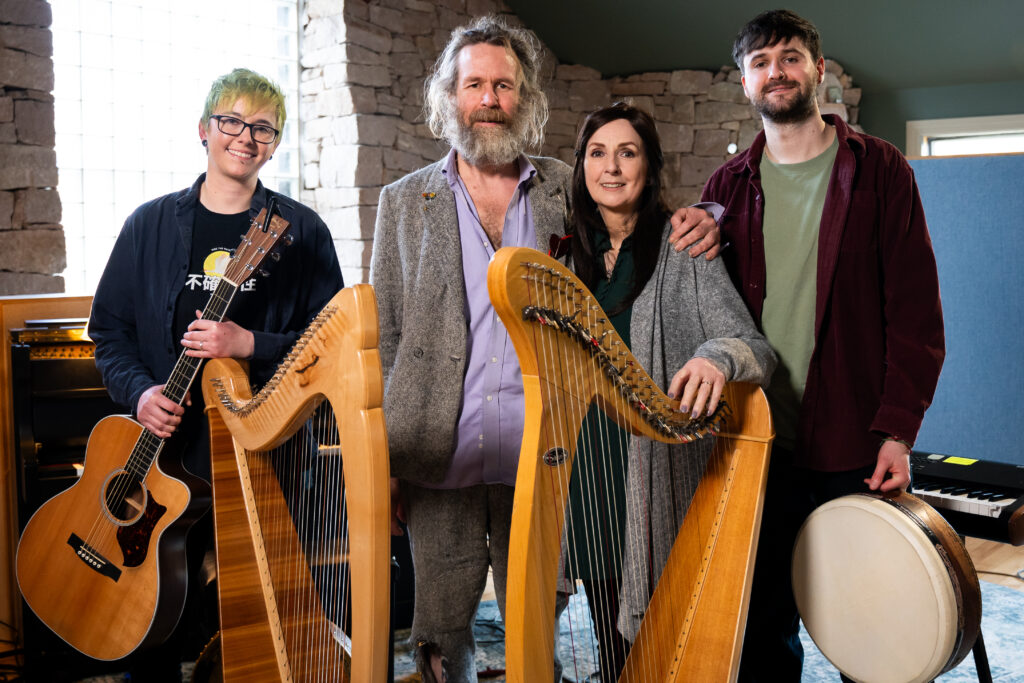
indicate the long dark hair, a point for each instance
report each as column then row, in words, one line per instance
column 651, row 210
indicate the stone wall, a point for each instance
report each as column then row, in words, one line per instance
column 33, row 252
column 364, row 63
column 703, row 117
column 363, row 67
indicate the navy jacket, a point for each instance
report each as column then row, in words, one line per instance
column 134, row 306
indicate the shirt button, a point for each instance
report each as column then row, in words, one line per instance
column 494, row 359
column 488, row 398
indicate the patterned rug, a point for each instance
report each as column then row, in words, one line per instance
column 1002, row 625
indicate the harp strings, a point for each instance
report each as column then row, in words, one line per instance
column 560, row 366
column 299, row 492
column 575, row 348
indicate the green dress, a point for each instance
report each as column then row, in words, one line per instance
column 596, row 514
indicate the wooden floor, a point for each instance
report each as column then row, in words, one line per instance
column 999, row 563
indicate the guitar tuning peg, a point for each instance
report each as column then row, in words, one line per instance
column 287, row 240
column 263, row 272
column 275, row 255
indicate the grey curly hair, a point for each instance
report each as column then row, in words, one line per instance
column 439, row 90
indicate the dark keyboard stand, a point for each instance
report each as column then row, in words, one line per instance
column 981, row 660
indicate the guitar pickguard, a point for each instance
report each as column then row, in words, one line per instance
column 134, row 539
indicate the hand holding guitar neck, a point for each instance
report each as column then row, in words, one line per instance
column 159, row 414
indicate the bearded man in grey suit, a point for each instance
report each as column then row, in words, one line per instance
column 453, row 390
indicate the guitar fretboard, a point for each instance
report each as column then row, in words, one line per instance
column 181, row 379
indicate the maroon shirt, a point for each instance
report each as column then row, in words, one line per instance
column 879, row 340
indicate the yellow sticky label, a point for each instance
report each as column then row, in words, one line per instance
column 956, row 460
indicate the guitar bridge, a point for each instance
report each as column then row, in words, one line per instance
column 93, row 559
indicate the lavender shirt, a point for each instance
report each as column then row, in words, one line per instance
column 490, row 429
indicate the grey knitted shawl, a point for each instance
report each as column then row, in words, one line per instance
column 688, row 308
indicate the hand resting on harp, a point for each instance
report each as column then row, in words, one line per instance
column 610, row 466
column 702, row 382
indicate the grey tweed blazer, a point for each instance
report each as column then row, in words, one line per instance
column 416, row 271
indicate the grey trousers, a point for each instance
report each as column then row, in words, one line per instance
column 455, row 535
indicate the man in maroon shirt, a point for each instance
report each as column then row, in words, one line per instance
column 830, row 251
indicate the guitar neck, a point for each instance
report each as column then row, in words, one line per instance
column 187, row 367
column 149, row 444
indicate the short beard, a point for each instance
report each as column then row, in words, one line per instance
column 800, row 109
column 489, row 147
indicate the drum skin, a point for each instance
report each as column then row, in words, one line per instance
column 886, row 588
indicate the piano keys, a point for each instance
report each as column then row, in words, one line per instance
column 978, row 498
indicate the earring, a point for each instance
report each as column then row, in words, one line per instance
column 205, row 143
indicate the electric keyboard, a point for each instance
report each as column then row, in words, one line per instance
column 977, row 497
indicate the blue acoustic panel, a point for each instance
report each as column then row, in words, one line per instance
column 975, row 212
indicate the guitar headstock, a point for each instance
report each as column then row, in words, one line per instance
column 256, row 245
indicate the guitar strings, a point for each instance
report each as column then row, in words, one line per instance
column 148, row 446
column 102, row 535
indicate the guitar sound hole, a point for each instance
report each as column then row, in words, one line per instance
column 125, row 498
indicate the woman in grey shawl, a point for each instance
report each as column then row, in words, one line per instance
column 688, row 328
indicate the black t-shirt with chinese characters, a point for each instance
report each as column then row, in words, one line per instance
column 214, row 237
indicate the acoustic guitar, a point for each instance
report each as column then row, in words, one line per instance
column 102, row 563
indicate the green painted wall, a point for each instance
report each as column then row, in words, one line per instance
column 886, row 113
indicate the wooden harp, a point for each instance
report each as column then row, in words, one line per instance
column 571, row 357
column 302, row 505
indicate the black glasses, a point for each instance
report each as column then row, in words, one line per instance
column 229, row 125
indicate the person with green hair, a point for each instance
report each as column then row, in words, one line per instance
column 161, row 273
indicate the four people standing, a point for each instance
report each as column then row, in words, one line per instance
column 830, row 253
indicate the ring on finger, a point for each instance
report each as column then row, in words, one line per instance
column 200, row 346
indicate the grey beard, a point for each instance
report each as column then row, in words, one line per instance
column 490, row 147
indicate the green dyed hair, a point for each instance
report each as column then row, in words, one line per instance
column 260, row 92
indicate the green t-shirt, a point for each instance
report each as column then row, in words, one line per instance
column 794, row 196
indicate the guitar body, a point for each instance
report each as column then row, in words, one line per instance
column 111, row 581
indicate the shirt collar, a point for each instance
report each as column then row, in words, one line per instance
column 450, row 169
column 603, row 242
